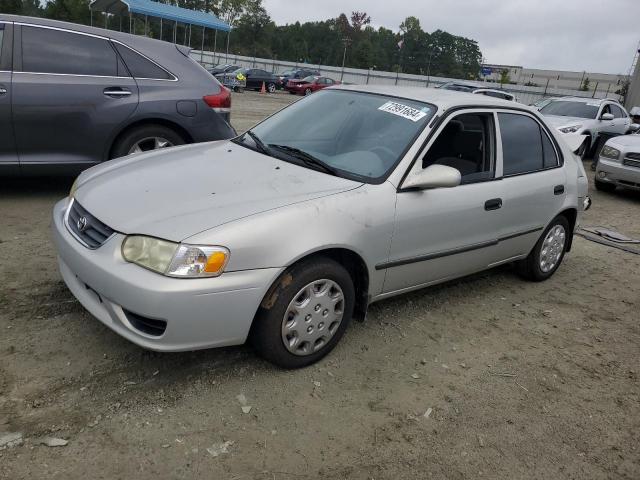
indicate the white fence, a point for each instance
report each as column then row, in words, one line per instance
column 523, row 93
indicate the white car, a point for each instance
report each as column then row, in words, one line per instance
column 593, row 119
column 478, row 90
column 619, row 164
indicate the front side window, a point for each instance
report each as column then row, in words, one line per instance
column 139, row 66
column 53, row 51
column 617, row 112
column 359, row 135
column 526, row 147
column 465, row 143
column 565, row 108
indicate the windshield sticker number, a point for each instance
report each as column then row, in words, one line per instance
column 403, row 111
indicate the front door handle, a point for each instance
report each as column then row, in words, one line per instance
column 558, row 190
column 493, row 204
column 3, row 91
column 116, row 92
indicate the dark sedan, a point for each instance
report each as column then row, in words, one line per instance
column 255, row 77
column 73, row 96
column 223, row 68
column 295, row 74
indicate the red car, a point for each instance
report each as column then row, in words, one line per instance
column 308, row 85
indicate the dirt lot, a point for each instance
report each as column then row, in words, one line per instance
column 521, row 380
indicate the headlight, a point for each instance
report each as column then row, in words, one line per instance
column 175, row 259
column 571, row 129
column 610, row 152
column 74, row 187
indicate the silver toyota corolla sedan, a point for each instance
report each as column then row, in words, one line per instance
column 285, row 233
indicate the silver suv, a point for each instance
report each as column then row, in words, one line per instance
column 595, row 119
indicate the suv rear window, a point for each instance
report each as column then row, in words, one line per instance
column 141, row 67
column 53, row 51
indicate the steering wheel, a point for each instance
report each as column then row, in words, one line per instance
column 385, row 151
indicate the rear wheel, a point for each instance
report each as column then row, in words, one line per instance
column 146, row 138
column 304, row 314
column 546, row 256
column 271, row 88
column 307, row 91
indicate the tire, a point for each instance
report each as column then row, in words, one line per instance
column 271, row 88
column 531, row 267
column 307, row 92
column 276, row 323
column 604, row 186
column 143, row 136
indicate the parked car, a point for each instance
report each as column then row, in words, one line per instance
column 634, row 113
column 595, row 119
column 477, row 89
column 233, row 80
column 73, row 96
column 223, row 68
column 295, row 74
column 308, row 85
column 619, row 164
column 543, row 102
column 349, row 196
column 255, row 77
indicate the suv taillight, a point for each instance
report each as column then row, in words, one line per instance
column 220, row 102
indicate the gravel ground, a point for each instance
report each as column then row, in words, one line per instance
column 487, row 377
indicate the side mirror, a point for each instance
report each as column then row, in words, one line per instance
column 634, row 127
column 434, row 176
column 607, row 116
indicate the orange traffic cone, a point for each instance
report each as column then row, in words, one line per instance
column 263, row 89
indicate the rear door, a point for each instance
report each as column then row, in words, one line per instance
column 533, row 182
column 71, row 92
column 621, row 119
column 8, row 156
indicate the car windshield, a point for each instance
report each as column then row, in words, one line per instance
column 357, row 135
column 571, row 109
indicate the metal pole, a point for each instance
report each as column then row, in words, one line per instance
column 120, row 16
column 185, row 35
column 344, row 57
column 202, row 48
column 145, row 25
column 160, row 28
column 227, row 55
column 91, row 17
column 130, row 21
column 106, row 18
column 189, row 34
column 175, row 32
column 594, row 90
column 215, row 45
column 545, row 87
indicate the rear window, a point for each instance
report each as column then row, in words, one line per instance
column 526, row 148
column 139, row 66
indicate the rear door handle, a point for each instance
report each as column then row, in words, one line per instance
column 3, row 91
column 493, row 204
column 116, row 92
column 558, row 190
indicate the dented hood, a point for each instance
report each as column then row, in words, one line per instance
column 178, row 192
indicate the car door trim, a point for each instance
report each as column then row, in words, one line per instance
column 454, row 251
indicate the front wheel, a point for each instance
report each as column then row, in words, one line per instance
column 546, row 256
column 271, row 88
column 307, row 91
column 304, row 314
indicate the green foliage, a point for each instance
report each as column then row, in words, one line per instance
column 321, row 42
column 504, row 76
column 585, row 84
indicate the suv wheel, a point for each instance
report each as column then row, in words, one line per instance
column 271, row 88
column 304, row 314
column 146, row 138
column 546, row 256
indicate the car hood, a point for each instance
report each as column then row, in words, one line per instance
column 182, row 191
column 560, row 121
column 625, row 141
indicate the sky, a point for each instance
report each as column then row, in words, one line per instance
column 577, row 35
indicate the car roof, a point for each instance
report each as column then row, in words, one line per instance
column 586, row 100
column 444, row 99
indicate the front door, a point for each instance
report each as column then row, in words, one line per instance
column 445, row 233
column 71, row 92
column 8, row 156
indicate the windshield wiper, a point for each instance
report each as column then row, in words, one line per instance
column 306, row 158
column 259, row 143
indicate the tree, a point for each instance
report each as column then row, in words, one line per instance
column 504, row 76
column 585, row 84
column 359, row 20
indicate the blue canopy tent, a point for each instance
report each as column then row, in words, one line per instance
column 164, row 12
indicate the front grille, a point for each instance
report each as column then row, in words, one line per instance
column 633, row 155
column 629, row 162
column 87, row 228
column 150, row 326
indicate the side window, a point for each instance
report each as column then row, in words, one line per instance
column 139, row 66
column 53, row 51
column 606, row 109
column 465, row 143
column 525, row 146
column 617, row 111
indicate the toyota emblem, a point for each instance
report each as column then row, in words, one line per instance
column 82, row 224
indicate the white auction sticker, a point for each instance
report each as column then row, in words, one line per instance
column 403, row 111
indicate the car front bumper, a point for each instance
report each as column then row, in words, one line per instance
column 615, row 172
column 198, row 313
